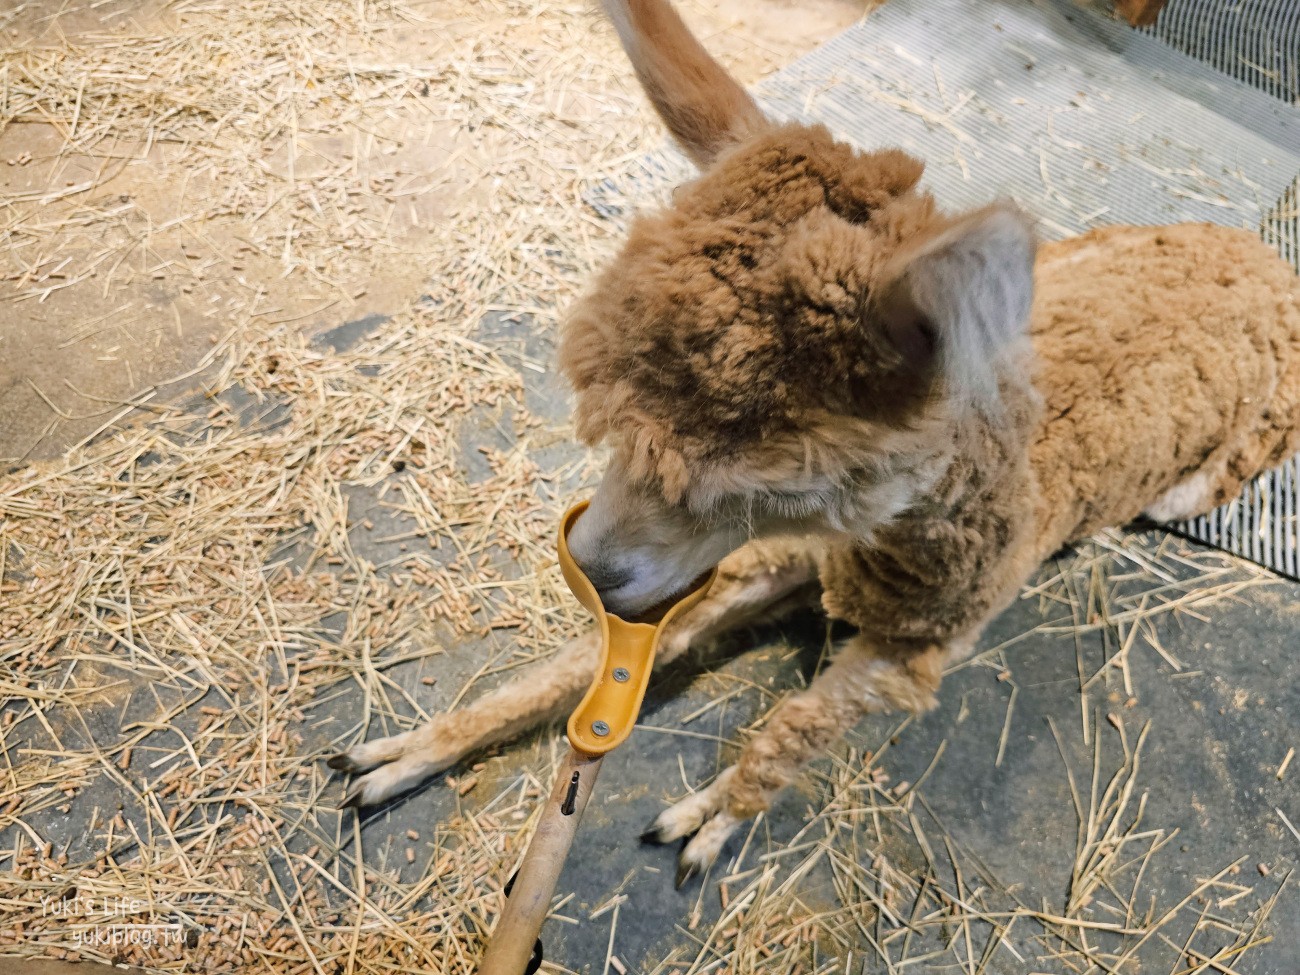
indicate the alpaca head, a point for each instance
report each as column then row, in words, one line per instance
column 778, row 350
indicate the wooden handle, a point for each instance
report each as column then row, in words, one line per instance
column 602, row 721
column 511, row 946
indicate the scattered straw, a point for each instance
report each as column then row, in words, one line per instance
column 183, row 608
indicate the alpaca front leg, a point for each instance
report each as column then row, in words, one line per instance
column 753, row 584
column 397, row 763
column 801, row 728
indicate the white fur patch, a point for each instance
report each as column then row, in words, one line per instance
column 703, row 848
column 688, row 815
column 1185, row 500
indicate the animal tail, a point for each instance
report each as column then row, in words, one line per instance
column 704, row 107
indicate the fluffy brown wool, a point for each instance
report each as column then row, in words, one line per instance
column 1160, row 354
column 802, row 347
column 736, row 321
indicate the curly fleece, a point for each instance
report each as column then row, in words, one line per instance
column 737, row 320
column 734, row 343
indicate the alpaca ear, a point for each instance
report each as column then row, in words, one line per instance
column 704, row 108
column 959, row 302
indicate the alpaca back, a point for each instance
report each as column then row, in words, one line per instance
column 1167, row 357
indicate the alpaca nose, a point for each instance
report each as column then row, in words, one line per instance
column 606, row 576
column 593, row 545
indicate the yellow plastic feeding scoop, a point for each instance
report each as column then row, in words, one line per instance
column 606, row 715
column 600, row 724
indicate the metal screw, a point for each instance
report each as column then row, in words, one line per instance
column 600, row 728
column 621, row 675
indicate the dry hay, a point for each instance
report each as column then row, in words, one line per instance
column 270, row 111
column 268, row 163
column 876, row 881
column 182, row 606
column 903, row 892
column 200, row 562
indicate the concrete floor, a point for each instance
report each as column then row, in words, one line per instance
column 1219, row 730
column 73, row 356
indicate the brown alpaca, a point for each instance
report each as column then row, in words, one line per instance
column 808, row 373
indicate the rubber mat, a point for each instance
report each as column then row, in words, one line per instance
column 1083, row 122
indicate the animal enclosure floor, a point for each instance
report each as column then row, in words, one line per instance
column 1023, row 825
column 266, row 168
column 347, row 526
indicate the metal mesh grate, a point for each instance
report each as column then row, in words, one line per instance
column 1256, row 42
column 1261, row 525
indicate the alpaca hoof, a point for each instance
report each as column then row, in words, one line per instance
column 702, row 850
column 652, row 835
column 391, row 765
column 687, row 815
column 352, row 800
column 685, row 871
column 703, row 817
